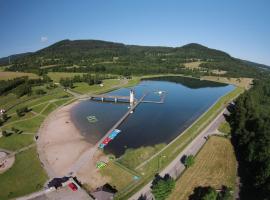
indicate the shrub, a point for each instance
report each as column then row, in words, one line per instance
column 189, row 161
column 40, row 92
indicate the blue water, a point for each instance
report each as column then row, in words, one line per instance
column 186, row 99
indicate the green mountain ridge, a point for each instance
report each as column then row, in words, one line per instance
column 117, row 57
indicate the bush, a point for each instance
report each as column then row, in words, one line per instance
column 15, row 130
column 40, row 92
column 204, row 193
column 21, row 111
column 6, row 133
column 210, row 193
column 189, row 161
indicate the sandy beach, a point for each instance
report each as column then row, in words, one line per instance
column 60, row 145
column 60, row 142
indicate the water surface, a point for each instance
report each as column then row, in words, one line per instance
column 186, row 99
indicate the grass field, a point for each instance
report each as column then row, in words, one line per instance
column 31, row 121
column 56, row 76
column 11, row 75
column 225, row 128
column 239, row 82
column 85, row 88
column 193, row 65
column 24, row 177
column 175, row 147
column 119, row 177
column 215, row 165
column 133, row 157
column 15, row 141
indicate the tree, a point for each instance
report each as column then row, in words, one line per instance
column 250, row 122
column 21, row 111
column 6, row 133
column 40, row 92
column 189, row 161
column 225, row 194
column 204, row 193
column 4, row 117
column 162, row 187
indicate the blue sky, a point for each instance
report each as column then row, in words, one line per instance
column 239, row 27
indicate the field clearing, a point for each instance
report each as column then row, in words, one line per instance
column 48, row 66
column 133, row 157
column 57, row 93
column 16, row 141
column 119, row 177
column 12, row 75
column 56, row 76
column 86, row 88
column 215, row 166
column 30, row 125
column 24, row 177
column 239, row 82
column 193, row 65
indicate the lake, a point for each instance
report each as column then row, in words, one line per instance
column 185, row 100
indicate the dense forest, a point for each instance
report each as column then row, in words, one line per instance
column 250, row 121
column 21, row 86
column 109, row 57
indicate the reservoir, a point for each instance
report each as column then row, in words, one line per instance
column 185, row 100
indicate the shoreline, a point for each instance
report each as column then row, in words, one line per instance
column 60, row 142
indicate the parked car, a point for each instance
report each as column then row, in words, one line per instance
column 72, row 186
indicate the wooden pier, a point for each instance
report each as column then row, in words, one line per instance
column 120, row 121
column 111, row 98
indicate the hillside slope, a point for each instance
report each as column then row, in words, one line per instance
column 97, row 55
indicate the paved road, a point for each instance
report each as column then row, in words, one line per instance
column 63, row 193
column 175, row 168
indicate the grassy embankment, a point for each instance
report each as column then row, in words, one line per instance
column 215, row 165
column 239, row 82
column 166, row 155
column 11, row 75
column 56, row 76
column 225, row 128
column 25, row 176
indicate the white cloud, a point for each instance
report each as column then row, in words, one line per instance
column 43, row 39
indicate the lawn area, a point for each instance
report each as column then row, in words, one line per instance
column 24, row 177
column 178, row 144
column 56, row 76
column 225, row 128
column 12, row 75
column 57, row 93
column 16, row 141
column 30, row 125
column 215, row 165
column 49, row 109
column 14, row 117
column 85, row 88
column 133, row 157
column 119, row 177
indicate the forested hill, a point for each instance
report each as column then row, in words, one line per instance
column 96, row 55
